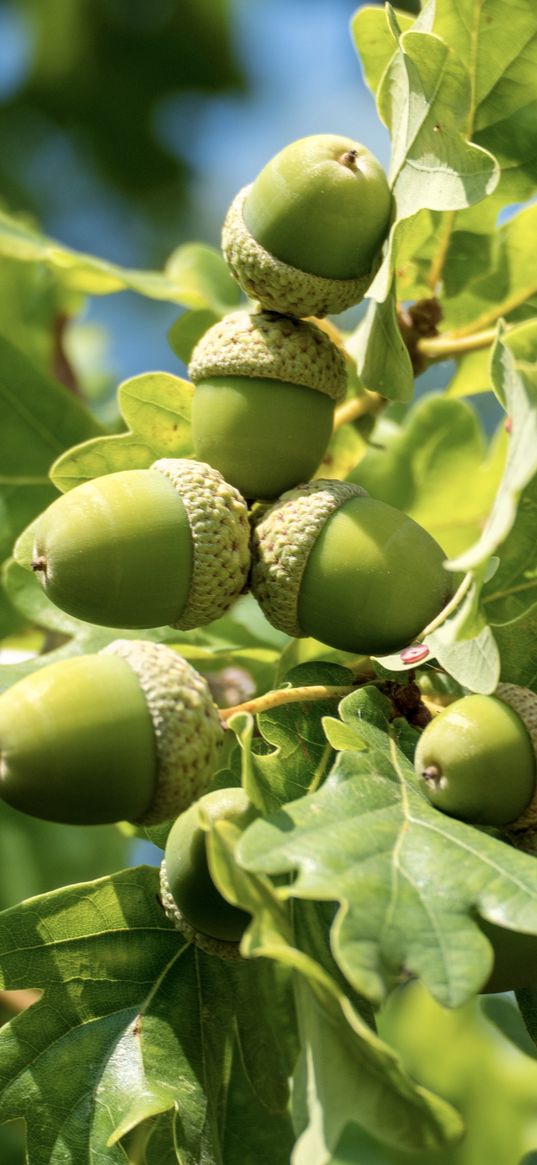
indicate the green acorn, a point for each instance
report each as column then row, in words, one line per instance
column 263, row 407
column 476, row 760
column 189, row 895
column 145, row 547
column 130, row 733
column 331, row 562
column 304, row 237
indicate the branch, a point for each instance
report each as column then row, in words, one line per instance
column 290, row 696
column 450, row 345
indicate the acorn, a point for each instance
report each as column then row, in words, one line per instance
column 263, row 406
column 476, row 760
column 145, row 547
column 359, row 575
column 303, row 239
column 128, row 734
column 189, row 896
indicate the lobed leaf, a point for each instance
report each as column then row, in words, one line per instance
column 298, row 756
column 410, row 881
column 345, row 1075
column 195, row 274
column 133, row 1022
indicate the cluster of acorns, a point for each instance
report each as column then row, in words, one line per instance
column 132, row 733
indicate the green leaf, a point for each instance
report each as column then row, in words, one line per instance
column 515, row 382
column 188, row 329
column 500, row 56
column 38, row 856
column 517, row 645
column 345, row 1072
column 473, row 660
column 501, row 1011
column 487, row 279
column 374, row 41
column 133, row 1021
column 409, row 879
column 10, row 618
column 425, row 99
column 503, row 56
column 472, row 374
column 195, row 274
column 40, row 419
column 156, row 406
column 33, row 306
column 424, row 466
column 205, row 276
column 381, row 355
column 527, row 1002
column 299, row 756
column 99, row 456
column 347, row 446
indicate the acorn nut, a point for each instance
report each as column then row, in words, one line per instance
column 189, row 896
column 145, row 547
column 476, row 760
column 304, row 237
column 263, row 406
column 359, row 575
column 130, row 733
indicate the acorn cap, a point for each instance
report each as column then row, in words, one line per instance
column 277, row 285
column 222, row 948
column 524, row 702
column 282, row 540
column 218, row 518
column 265, row 344
column 186, row 723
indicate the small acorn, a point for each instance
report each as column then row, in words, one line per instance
column 128, row 734
column 189, row 895
column 145, row 547
column 263, row 407
column 359, row 575
column 304, row 237
column 476, row 760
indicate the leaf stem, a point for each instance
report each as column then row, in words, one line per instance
column 282, row 696
column 450, row 344
column 437, row 266
column 450, row 607
column 358, row 406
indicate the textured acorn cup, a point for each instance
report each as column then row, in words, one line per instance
column 131, row 733
column 476, row 760
column 331, row 562
column 189, row 895
column 145, row 547
column 304, row 237
column 263, row 407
